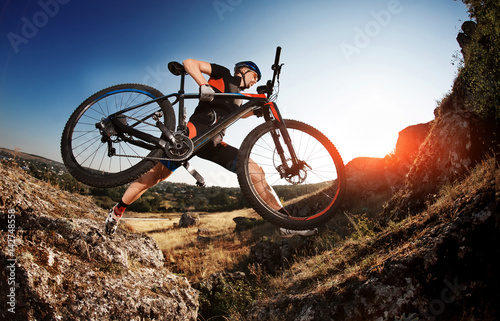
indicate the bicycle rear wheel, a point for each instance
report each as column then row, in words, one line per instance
column 310, row 195
column 85, row 150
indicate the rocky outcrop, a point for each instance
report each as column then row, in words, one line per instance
column 457, row 141
column 440, row 265
column 373, row 180
column 464, row 38
column 63, row 266
column 435, row 253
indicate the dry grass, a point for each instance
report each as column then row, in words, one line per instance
column 196, row 259
column 357, row 256
column 338, row 259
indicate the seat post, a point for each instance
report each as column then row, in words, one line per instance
column 182, row 110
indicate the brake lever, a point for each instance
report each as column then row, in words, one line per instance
column 278, row 71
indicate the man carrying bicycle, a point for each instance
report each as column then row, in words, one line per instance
column 207, row 113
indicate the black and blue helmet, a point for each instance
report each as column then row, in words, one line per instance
column 251, row 65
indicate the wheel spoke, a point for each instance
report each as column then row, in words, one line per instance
column 89, row 145
column 307, row 193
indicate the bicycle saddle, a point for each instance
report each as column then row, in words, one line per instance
column 176, row 68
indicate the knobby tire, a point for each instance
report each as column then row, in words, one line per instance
column 311, row 198
column 85, row 155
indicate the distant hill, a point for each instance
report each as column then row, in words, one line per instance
column 25, row 156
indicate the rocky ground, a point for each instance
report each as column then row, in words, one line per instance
column 61, row 265
column 440, row 264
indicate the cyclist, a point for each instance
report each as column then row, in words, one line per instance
column 207, row 113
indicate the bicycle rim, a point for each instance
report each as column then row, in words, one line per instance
column 89, row 159
column 311, row 194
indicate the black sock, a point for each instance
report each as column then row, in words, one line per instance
column 120, row 208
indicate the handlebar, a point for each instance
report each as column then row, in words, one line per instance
column 277, row 58
column 276, row 67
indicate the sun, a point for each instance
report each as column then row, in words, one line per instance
column 370, row 119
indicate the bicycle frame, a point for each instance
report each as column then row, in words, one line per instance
column 261, row 101
column 255, row 102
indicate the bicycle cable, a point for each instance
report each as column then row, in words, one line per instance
column 141, row 121
column 276, row 91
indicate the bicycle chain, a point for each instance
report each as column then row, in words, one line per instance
column 155, row 158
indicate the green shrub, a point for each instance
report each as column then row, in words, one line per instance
column 228, row 296
column 482, row 58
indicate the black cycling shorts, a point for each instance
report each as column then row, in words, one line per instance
column 223, row 154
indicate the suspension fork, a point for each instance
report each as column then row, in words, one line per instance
column 281, row 127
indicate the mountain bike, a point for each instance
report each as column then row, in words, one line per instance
column 121, row 132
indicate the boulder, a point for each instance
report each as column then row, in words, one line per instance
column 189, row 219
column 457, row 141
column 366, row 174
column 409, row 141
column 272, row 255
column 244, row 223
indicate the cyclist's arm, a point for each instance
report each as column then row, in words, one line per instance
column 196, row 69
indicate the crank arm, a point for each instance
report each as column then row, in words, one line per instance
column 165, row 131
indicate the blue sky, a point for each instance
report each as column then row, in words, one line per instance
column 360, row 71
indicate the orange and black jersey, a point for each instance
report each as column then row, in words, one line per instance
column 203, row 117
column 221, row 81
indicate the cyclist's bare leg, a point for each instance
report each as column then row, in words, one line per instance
column 133, row 192
column 268, row 194
column 258, row 178
column 157, row 174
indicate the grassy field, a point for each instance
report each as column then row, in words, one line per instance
column 196, row 258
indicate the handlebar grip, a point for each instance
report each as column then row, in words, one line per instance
column 278, row 53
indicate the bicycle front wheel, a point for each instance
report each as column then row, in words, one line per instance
column 89, row 136
column 309, row 192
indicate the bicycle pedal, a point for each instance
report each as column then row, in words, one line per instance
column 200, row 181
